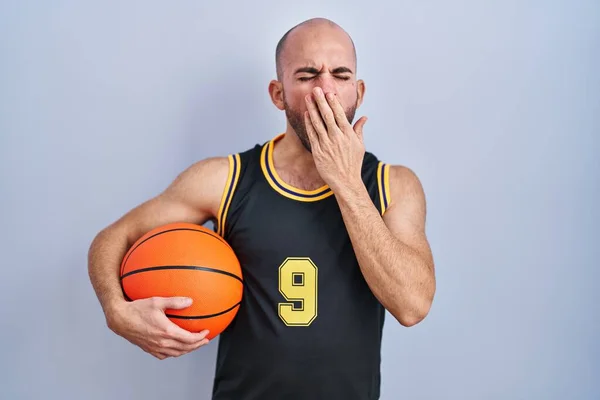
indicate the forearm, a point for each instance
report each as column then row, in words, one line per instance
column 104, row 259
column 398, row 275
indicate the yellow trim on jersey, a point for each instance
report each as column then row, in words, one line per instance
column 268, row 167
column 383, row 184
column 230, row 185
column 386, row 185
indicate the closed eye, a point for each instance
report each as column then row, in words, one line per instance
column 308, row 78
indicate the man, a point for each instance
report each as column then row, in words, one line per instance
column 328, row 236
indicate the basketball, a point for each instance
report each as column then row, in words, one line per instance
column 182, row 259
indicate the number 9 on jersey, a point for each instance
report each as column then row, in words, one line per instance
column 298, row 286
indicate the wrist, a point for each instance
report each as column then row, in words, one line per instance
column 113, row 310
column 350, row 190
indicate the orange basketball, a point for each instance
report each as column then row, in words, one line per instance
column 183, row 259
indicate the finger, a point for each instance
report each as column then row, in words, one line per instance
column 338, row 112
column 175, row 353
column 166, row 353
column 315, row 116
column 186, row 337
column 313, row 137
column 325, row 110
column 358, row 127
column 196, row 346
column 174, row 303
column 170, row 346
column 179, row 334
column 155, row 353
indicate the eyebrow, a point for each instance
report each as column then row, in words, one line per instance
column 313, row 70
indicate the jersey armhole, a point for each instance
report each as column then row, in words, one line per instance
column 230, row 185
column 383, row 185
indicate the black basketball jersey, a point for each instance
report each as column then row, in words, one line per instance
column 308, row 326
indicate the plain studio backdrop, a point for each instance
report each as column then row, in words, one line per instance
column 495, row 105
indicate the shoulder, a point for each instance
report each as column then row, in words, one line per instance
column 405, row 187
column 398, row 179
column 200, row 184
column 404, row 177
column 205, row 172
column 213, row 173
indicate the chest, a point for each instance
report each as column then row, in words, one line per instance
column 294, row 247
column 309, row 180
column 271, row 224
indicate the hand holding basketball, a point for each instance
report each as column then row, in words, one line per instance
column 144, row 323
column 185, row 286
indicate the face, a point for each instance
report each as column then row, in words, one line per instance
column 295, row 117
column 322, row 57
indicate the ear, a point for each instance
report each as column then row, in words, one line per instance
column 360, row 91
column 276, row 93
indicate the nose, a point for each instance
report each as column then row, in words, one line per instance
column 327, row 83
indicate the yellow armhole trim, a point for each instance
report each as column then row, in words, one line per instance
column 383, row 184
column 386, row 185
column 230, row 185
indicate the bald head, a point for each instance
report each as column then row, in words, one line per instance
column 312, row 29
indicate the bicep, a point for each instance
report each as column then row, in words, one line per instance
column 406, row 215
column 192, row 197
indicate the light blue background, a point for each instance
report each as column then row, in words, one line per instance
column 495, row 105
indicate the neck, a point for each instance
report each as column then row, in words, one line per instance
column 293, row 151
column 295, row 164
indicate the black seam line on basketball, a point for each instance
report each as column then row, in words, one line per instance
column 130, row 252
column 202, row 316
column 188, row 267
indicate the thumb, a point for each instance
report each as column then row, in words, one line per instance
column 175, row 303
column 358, row 127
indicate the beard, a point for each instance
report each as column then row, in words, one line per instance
column 296, row 119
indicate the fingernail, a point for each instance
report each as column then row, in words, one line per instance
column 330, row 96
column 319, row 91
